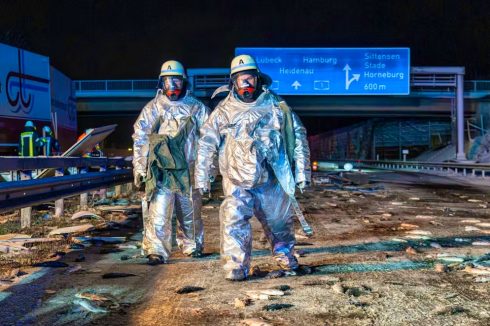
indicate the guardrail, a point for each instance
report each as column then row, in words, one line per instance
column 463, row 169
column 22, row 191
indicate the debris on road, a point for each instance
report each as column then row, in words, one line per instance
column 338, row 288
column 411, row 251
column 240, row 303
column 441, row 268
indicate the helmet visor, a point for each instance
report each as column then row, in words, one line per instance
column 172, row 83
column 245, row 80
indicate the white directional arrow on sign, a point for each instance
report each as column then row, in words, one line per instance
column 296, row 84
column 347, row 80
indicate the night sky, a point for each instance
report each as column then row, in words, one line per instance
column 130, row 39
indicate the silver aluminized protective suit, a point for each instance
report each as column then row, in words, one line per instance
column 250, row 140
column 164, row 203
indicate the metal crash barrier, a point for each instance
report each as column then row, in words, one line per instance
column 477, row 170
column 21, row 190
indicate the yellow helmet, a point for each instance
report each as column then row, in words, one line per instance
column 245, row 62
column 173, row 68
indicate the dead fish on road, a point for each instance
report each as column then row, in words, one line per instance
column 266, row 291
column 478, row 271
column 471, row 228
column 483, row 225
column 470, row 220
column 52, row 264
column 418, row 237
column 420, row 232
column 409, row 226
column 275, row 274
column 116, row 275
column 435, row 245
column 88, row 305
column 398, row 240
column 481, row 243
column 74, row 269
column 91, row 296
column 451, row 259
column 109, row 251
column 277, row 306
column 188, row 289
column 255, row 322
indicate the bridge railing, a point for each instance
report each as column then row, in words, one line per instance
column 477, row 85
column 211, row 82
column 115, row 85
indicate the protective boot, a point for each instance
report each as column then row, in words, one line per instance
column 196, row 254
column 287, row 262
column 235, row 275
column 155, row 260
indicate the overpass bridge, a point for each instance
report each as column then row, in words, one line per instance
column 436, row 92
column 433, row 94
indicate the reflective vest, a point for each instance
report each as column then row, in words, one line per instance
column 28, row 143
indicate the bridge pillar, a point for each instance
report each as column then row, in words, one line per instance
column 460, row 117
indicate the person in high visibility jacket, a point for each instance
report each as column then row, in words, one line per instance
column 29, row 142
column 49, row 143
